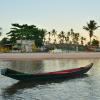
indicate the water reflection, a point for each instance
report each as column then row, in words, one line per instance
column 27, row 66
column 21, row 85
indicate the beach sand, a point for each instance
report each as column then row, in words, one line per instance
column 42, row 56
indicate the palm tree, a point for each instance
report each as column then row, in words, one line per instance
column 61, row 36
column 67, row 37
column 54, row 33
column 82, row 40
column 91, row 27
column 76, row 38
column 72, row 35
column 49, row 37
column 44, row 38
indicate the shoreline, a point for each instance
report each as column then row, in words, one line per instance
column 43, row 56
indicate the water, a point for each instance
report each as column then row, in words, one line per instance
column 80, row 88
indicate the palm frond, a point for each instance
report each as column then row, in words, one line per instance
column 96, row 27
column 86, row 28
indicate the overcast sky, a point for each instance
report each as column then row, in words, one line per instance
column 50, row 14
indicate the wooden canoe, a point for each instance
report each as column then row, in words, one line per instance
column 45, row 76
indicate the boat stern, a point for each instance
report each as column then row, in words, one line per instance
column 3, row 71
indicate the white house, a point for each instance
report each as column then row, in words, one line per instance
column 26, row 45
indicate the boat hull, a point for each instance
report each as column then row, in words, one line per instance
column 46, row 76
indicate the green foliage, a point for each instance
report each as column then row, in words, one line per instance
column 26, row 32
column 95, row 42
column 54, row 33
column 4, row 41
column 82, row 40
column 74, row 36
column 91, row 27
column 61, row 36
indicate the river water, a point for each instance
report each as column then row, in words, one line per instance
column 79, row 88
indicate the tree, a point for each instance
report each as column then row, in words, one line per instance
column 49, row 37
column 95, row 43
column 67, row 38
column 4, row 41
column 72, row 35
column 54, row 33
column 38, row 37
column 82, row 40
column 76, row 38
column 15, row 33
column 91, row 27
column 61, row 36
column 26, row 32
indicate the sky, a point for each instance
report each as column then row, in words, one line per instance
column 50, row 14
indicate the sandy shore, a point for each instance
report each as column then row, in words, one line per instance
column 40, row 56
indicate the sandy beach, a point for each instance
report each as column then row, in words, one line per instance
column 40, row 56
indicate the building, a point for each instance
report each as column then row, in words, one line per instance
column 26, row 45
